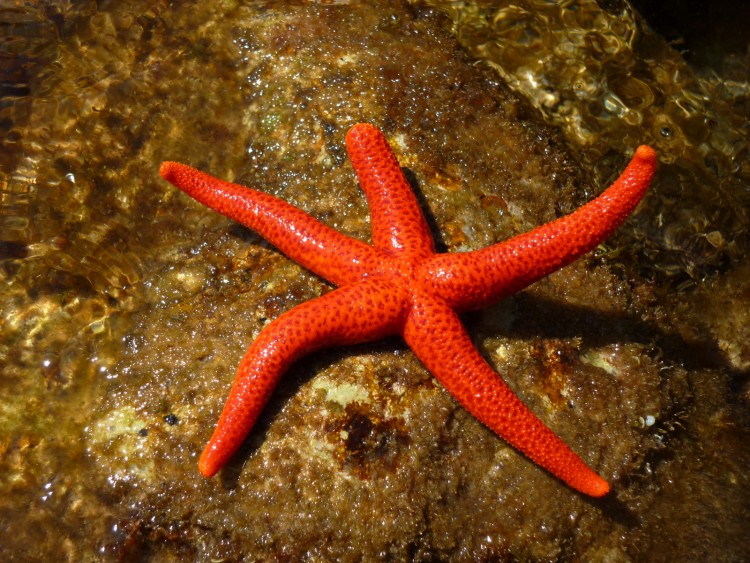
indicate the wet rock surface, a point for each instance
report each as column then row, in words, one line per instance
column 126, row 308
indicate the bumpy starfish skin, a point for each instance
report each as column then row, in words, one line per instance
column 399, row 285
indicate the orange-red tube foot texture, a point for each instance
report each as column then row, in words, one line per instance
column 399, row 285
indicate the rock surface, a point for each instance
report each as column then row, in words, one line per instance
column 126, row 308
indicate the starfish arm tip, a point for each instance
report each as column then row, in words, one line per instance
column 599, row 488
column 359, row 129
column 207, row 465
column 592, row 485
column 167, row 170
column 645, row 153
column 578, row 475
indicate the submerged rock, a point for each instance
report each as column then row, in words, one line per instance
column 127, row 306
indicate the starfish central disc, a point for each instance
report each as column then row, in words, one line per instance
column 403, row 268
column 400, row 285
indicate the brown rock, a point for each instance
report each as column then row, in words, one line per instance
column 126, row 306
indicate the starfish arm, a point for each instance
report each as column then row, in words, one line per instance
column 301, row 237
column 397, row 221
column 437, row 337
column 356, row 313
column 474, row 279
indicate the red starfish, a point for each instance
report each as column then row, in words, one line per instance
column 400, row 285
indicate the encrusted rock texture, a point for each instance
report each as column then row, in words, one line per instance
column 126, row 308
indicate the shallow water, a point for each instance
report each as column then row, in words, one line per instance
column 106, row 272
